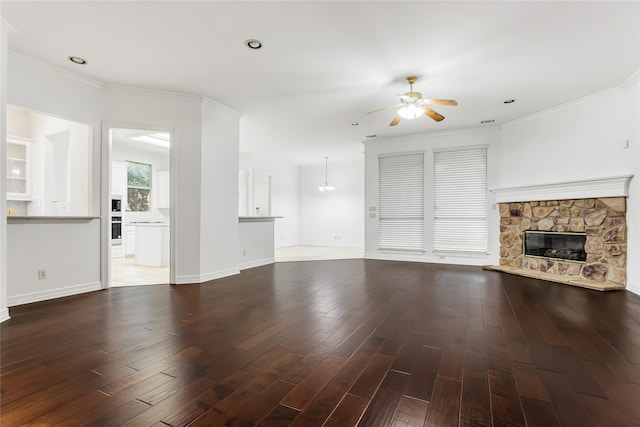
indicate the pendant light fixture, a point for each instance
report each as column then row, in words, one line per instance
column 326, row 186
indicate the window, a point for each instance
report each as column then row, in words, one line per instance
column 401, row 202
column 138, row 187
column 460, row 200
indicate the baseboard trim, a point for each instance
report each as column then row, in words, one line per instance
column 445, row 259
column 201, row 278
column 53, row 293
column 257, row 263
column 4, row 315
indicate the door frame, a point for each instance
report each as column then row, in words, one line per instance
column 105, row 198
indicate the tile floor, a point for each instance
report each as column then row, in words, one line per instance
column 125, row 272
column 316, row 253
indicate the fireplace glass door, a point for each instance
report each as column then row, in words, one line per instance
column 562, row 246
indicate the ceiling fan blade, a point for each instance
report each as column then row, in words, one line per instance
column 395, row 120
column 385, row 108
column 440, row 101
column 433, row 114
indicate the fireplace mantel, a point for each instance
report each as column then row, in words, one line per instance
column 617, row 186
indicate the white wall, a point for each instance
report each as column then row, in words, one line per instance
column 140, row 109
column 219, row 245
column 284, row 194
column 256, row 243
column 582, row 140
column 42, row 126
column 43, row 88
column 334, row 218
column 68, row 251
column 428, row 143
column 4, row 312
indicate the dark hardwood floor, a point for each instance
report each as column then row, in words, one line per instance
column 334, row 343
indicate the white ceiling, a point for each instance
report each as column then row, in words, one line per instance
column 325, row 64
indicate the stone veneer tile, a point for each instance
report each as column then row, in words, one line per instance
column 603, row 220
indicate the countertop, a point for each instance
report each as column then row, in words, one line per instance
column 258, row 218
column 52, row 218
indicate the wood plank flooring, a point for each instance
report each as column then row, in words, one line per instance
column 333, row 343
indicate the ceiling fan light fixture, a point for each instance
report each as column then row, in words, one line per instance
column 410, row 111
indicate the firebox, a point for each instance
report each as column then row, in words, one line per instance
column 562, row 246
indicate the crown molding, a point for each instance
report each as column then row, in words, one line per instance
column 626, row 84
column 79, row 77
column 617, row 186
column 422, row 136
column 154, row 92
column 220, row 107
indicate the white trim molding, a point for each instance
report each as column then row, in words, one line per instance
column 201, row 278
column 257, row 263
column 4, row 315
column 53, row 293
column 617, row 186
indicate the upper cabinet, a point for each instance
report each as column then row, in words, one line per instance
column 118, row 179
column 18, row 168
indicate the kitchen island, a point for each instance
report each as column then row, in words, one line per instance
column 152, row 244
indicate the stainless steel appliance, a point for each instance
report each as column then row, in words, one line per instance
column 116, row 230
column 116, row 220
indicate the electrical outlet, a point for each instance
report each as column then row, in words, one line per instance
column 244, row 252
column 42, row 274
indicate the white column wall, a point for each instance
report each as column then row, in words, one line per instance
column 4, row 312
column 332, row 218
column 219, row 245
column 180, row 115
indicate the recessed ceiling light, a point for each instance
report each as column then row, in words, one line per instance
column 484, row 122
column 509, row 101
column 77, row 60
column 355, row 124
column 254, row 44
column 371, row 136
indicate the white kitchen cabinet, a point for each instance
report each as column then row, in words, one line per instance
column 163, row 188
column 117, row 251
column 130, row 240
column 152, row 244
column 18, row 168
column 119, row 179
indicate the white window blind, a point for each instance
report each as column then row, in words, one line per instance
column 460, row 200
column 401, row 202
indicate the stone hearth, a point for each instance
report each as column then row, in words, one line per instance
column 603, row 220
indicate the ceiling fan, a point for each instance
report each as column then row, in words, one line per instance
column 413, row 105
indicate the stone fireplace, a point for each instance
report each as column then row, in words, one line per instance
column 577, row 241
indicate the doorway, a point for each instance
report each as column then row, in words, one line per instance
column 140, row 220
